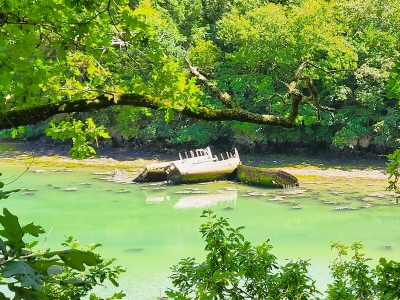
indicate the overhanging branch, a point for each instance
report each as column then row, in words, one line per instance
column 34, row 114
column 224, row 97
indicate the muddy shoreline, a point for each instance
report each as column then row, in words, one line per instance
column 125, row 158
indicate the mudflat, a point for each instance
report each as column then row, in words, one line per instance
column 325, row 165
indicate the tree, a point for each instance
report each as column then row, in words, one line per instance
column 62, row 56
column 68, row 56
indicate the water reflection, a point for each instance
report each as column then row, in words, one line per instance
column 194, row 198
column 204, row 200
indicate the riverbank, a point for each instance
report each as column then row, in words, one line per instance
column 131, row 158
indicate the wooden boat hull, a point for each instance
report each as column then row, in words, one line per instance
column 217, row 170
column 153, row 172
column 266, row 177
column 156, row 171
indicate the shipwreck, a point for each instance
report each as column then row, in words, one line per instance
column 201, row 165
column 196, row 166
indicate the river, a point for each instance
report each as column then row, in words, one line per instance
column 150, row 227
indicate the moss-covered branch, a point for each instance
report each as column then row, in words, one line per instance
column 34, row 114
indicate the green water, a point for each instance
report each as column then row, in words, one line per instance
column 150, row 227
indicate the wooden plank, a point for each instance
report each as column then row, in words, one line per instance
column 211, row 171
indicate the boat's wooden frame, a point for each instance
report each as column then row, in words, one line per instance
column 212, row 170
column 156, row 171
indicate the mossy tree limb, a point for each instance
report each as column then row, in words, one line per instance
column 33, row 114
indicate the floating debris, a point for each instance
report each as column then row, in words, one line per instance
column 86, row 183
column 294, row 192
column 103, row 173
column 134, row 249
column 368, row 205
column 38, row 171
column 389, row 246
column 28, row 193
column 157, row 183
column 160, row 188
column 227, row 208
column 189, row 191
column 337, row 193
column 332, row 202
column 257, row 194
column 231, row 189
column 123, row 191
column 56, row 187
column 377, row 194
column 71, row 189
column 277, row 198
column 298, row 206
column 183, row 192
column 344, row 208
column 365, row 199
column 29, row 189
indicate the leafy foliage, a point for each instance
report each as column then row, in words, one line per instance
column 249, row 49
column 393, row 166
column 235, row 269
column 393, row 169
column 352, row 279
column 64, row 274
column 78, row 132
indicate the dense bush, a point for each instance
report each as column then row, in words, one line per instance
column 234, row 269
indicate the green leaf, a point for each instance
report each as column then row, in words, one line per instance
column 43, row 266
column 33, row 229
column 54, row 270
column 26, row 294
column 3, row 297
column 75, row 258
column 3, row 249
column 12, row 231
column 24, row 273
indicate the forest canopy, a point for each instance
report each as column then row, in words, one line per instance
column 320, row 69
